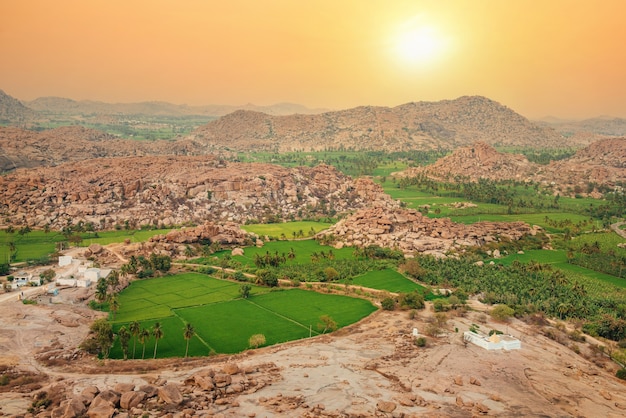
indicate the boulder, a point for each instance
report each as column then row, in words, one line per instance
column 170, row 394
column 103, row 410
column 132, row 399
column 230, row 368
column 386, row 406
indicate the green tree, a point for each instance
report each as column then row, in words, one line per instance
column 134, row 329
column 502, row 312
column 256, row 340
column 388, row 304
column 244, row 290
column 157, row 332
column 114, row 305
column 326, row 324
column 124, row 335
column 144, row 334
column 188, row 334
column 103, row 335
column 101, row 290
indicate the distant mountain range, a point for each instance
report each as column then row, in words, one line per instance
column 446, row 124
column 603, row 125
column 59, row 105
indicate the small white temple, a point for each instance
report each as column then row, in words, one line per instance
column 493, row 342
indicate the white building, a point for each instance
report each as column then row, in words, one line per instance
column 493, row 342
column 65, row 260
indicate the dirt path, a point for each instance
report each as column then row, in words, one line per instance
column 617, row 228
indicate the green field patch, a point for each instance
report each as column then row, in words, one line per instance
column 303, row 250
column 306, row 307
column 287, row 229
column 224, row 322
column 155, row 298
column 389, row 280
column 227, row 327
column 172, row 344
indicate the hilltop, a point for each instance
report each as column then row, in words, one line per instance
column 602, row 162
column 420, row 125
column 12, row 110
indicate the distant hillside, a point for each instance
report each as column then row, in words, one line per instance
column 12, row 110
column 605, row 125
column 24, row 148
column 63, row 106
column 603, row 162
column 421, row 125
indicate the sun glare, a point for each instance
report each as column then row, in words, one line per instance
column 418, row 44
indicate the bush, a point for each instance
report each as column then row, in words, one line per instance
column 256, row 340
column 388, row 304
column 421, row 341
column 621, row 374
column 502, row 313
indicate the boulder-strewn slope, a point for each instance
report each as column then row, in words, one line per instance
column 479, row 160
column 175, row 190
column 25, row 148
column 409, row 231
column 420, row 125
column 603, row 162
column 12, row 110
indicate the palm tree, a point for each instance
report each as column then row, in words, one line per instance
column 188, row 334
column 113, row 280
column 158, row 334
column 144, row 334
column 134, row 329
column 114, row 304
column 124, row 335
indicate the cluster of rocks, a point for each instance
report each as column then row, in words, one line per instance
column 207, row 392
column 409, row 231
column 601, row 163
column 164, row 191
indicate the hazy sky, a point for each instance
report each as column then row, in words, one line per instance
column 538, row 57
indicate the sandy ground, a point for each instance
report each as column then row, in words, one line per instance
column 347, row 373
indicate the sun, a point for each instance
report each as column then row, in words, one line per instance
column 418, row 43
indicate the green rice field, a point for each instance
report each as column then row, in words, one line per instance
column 287, row 229
column 223, row 321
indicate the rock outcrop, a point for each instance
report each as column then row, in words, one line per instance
column 601, row 163
column 164, row 191
column 409, row 231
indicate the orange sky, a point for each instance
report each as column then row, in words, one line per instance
column 539, row 57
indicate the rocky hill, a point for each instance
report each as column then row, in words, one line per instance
column 605, row 125
column 422, row 125
column 409, row 231
column 602, row 162
column 171, row 190
column 13, row 111
column 64, row 106
column 479, row 160
column 25, row 148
